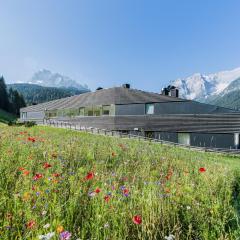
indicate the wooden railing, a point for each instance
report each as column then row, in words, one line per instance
column 106, row 132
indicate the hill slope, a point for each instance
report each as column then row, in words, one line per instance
column 33, row 93
column 97, row 187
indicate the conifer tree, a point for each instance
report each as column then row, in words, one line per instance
column 4, row 103
column 16, row 101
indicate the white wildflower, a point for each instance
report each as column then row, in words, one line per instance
column 170, row 237
column 46, row 236
column 106, row 225
column 46, row 225
column 44, row 212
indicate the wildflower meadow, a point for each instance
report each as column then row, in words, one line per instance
column 62, row 184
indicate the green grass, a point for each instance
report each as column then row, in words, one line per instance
column 5, row 117
column 162, row 185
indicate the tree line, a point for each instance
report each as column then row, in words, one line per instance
column 34, row 94
column 10, row 100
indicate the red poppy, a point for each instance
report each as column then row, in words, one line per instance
column 125, row 191
column 31, row 224
column 137, row 219
column 98, row 190
column 26, row 172
column 46, row 165
column 168, row 176
column 170, row 173
column 107, row 198
column 202, row 169
column 89, row 176
column 122, row 146
column 31, row 139
column 37, row 176
column 56, row 174
column 21, row 169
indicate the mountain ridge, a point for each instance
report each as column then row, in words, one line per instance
column 207, row 88
column 46, row 78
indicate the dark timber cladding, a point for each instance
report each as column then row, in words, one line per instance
column 214, row 123
column 139, row 112
column 219, row 123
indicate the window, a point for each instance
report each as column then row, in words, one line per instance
column 184, row 138
column 72, row 112
column 149, row 108
column 24, row 115
column 106, row 110
column 81, row 111
column 236, row 140
column 52, row 113
column 97, row 110
column 88, row 111
column 60, row 113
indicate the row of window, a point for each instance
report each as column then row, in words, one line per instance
column 104, row 110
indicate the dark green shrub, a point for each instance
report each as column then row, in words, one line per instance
column 29, row 124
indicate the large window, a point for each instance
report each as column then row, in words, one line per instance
column 149, row 108
column 51, row 113
column 184, row 138
column 106, row 110
column 24, row 115
column 88, row 111
column 81, row 111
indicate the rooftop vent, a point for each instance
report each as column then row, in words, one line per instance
column 165, row 92
column 170, row 91
column 99, row 88
column 126, row 85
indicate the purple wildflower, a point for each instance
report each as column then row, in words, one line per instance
column 65, row 235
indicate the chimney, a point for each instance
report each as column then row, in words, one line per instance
column 126, row 85
column 174, row 92
column 165, row 92
column 170, row 91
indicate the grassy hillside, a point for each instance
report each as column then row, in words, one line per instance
column 5, row 117
column 56, row 183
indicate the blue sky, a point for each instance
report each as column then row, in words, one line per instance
column 110, row 42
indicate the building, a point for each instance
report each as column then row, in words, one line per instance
column 138, row 112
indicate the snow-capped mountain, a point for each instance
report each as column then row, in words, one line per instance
column 202, row 87
column 48, row 79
